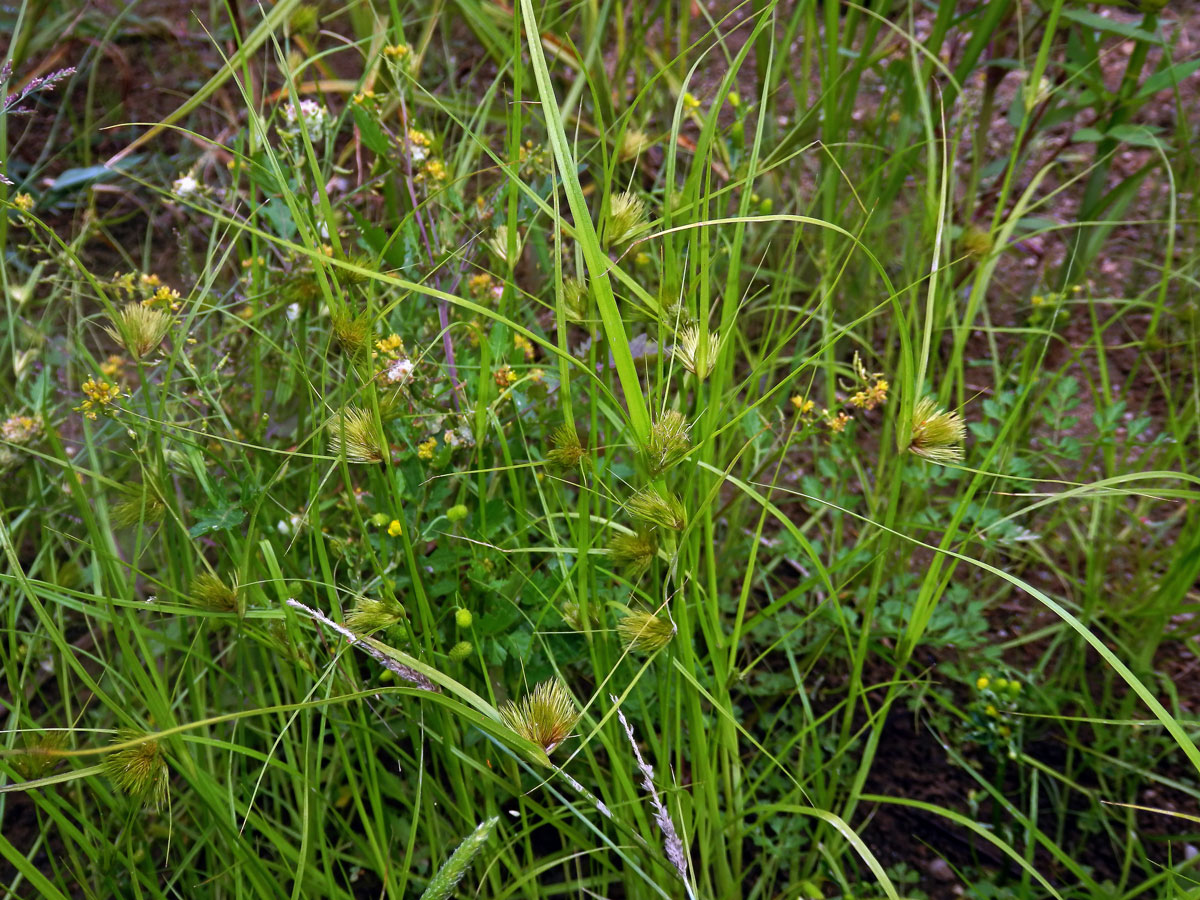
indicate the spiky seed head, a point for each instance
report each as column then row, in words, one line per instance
column 353, row 332
column 210, row 592
column 352, row 433
column 669, row 441
column 145, row 507
column 573, row 615
column 567, row 452
column 139, row 329
column 461, row 651
column 634, row 143
column 576, row 300
column 544, row 716
column 660, row 507
column 626, row 219
column 697, row 357
column 139, row 771
column 977, row 241
column 645, row 631
column 633, row 552
column 41, row 753
column 937, row 435
column 498, row 244
column 370, row 614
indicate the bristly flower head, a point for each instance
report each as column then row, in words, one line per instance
column 658, row 507
column 139, row 329
column 353, row 332
column 696, row 357
column 210, row 592
column 140, row 771
column 144, row 507
column 937, row 435
column 352, row 433
column 568, row 451
column 544, row 716
column 576, row 300
column 669, row 441
column 645, row 631
column 371, row 615
column 626, row 219
column 633, row 552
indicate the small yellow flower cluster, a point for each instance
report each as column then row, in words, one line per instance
column 480, row 285
column 21, row 429
column 869, row 398
column 113, row 367
column 435, row 170
column 803, row 407
column 425, row 449
column 165, row 295
column 100, row 396
column 522, row 343
column 363, row 97
column 23, row 202
column 391, row 346
column 533, row 159
column 836, row 424
column 504, row 376
column 397, row 51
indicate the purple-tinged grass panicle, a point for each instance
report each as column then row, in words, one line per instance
column 398, row 668
column 675, row 850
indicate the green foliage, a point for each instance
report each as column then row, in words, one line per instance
column 440, row 388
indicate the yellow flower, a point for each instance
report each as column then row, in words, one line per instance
column 395, row 529
column 803, row 406
column 435, row 170
column 100, row 396
column 690, row 101
column 391, row 346
column 480, row 285
column 522, row 343
column 425, row 448
column 23, row 202
column 113, row 367
column 982, row 682
column 504, row 376
column 837, row 424
column 396, row 51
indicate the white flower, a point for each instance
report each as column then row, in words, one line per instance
column 283, row 527
column 418, row 153
column 185, row 185
column 293, row 312
column 314, row 115
column 399, row 372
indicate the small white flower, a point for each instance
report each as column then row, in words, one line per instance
column 399, row 372
column 153, row 598
column 283, row 527
column 293, row 312
column 418, row 153
column 185, row 185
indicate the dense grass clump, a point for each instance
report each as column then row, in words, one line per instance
column 599, row 450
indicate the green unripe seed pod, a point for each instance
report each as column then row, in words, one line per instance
column 457, row 513
column 463, row 618
column 460, row 651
